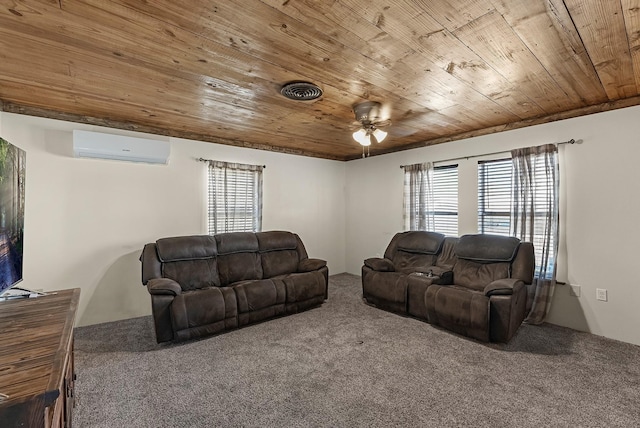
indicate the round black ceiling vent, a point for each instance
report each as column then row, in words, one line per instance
column 301, row 91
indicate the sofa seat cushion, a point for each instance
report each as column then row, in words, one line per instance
column 304, row 285
column 304, row 289
column 459, row 309
column 386, row 290
column 259, row 294
column 204, row 307
column 259, row 300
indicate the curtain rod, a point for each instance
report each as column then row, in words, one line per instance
column 571, row 141
column 211, row 160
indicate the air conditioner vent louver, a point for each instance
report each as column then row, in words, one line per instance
column 301, row 91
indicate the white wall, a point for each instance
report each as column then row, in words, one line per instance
column 600, row 207
column 87, row 220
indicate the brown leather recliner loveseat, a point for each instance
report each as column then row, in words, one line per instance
column 475, row 285
column 201, row 285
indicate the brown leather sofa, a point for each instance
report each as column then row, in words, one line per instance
column 201, row 285
column 475, row 285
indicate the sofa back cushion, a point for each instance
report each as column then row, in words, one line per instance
column 415, row 250
column 189, row 260
column 483, row 259
column 485, row 248
column 238, row 257
column 192, row 274
column 278, row 251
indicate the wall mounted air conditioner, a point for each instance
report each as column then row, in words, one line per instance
column 87, row 144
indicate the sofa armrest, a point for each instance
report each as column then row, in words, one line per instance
column 309, row 265
column 425, row 278
column 380, row 265
column 501, row 287
column 164, row 286
column 446, row 276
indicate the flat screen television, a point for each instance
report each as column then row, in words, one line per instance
column 12, row 175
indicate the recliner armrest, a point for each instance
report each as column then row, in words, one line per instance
column 446, row 276
column 164, row 286
column 309, row 265
column 501, row 287
column 380, row 265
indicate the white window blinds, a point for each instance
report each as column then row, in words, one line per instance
column 494, row 196
column 234, row 197
column 445, row 198
column 496, row 206
column 431, row 198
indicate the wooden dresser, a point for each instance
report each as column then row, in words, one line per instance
column 36, row 360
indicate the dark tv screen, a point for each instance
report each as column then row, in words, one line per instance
column 12, row 175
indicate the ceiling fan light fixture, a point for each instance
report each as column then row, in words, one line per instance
column 380, row 135
column 368, row 114
column 362, row 137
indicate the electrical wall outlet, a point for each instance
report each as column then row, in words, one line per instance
column 601, row 294
column 574, row 290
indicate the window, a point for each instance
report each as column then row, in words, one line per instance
column 494, row 196
column 234, row 197
column 445, row 198
column 437, row 212
column 495, row 204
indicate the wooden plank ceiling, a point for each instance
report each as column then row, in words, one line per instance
column 442, row 69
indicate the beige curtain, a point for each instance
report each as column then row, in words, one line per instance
column 534, row 218
column 418, row 197
column 235, row 197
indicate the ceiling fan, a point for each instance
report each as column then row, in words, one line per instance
column 369, row 121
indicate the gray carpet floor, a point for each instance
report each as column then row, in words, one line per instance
column 346, row 364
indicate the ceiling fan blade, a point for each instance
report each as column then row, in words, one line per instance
column 400, row 131
column 382, row 123
column 384, row 112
